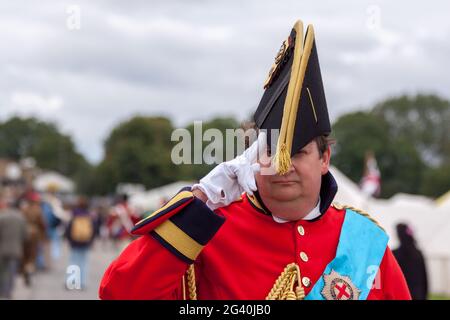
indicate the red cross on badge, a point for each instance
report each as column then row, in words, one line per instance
column 338, row 287
column 342, row 291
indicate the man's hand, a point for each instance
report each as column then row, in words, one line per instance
column 228, row 180
column 200, row 195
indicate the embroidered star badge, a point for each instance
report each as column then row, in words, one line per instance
column 338, row 287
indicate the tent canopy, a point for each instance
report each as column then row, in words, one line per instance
column 55, row 181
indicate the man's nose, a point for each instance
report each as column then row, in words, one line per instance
column 290, row 170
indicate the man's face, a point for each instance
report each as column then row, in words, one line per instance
column 301, row 182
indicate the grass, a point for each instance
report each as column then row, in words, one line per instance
column 438, row 297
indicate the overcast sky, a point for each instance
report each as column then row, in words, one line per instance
column 192, row 60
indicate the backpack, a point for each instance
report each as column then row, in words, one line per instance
column 82, row 229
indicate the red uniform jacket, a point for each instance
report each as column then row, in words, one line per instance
column 239, row 251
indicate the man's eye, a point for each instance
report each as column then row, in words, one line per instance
column 301, row 153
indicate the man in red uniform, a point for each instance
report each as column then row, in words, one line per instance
column 283, row 238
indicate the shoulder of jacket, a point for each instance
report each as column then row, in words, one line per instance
column 365, row 214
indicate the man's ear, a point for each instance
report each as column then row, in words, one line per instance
column 326, row 160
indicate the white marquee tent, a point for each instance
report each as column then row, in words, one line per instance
column 54, row 180
column 152, row 199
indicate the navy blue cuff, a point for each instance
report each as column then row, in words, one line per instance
column 186, row 233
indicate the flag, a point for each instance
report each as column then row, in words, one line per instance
column 371, row 181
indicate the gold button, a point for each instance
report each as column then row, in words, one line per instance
column 306, row 281
column 304, row 256
column 301, row 230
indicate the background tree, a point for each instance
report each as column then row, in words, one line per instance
column 29, row 137
column 399, row 163
column 410, row 138
column 197, row 171
column 424, row 120
column 436, row 181
column 137, row 151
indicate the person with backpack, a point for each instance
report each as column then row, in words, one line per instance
column 80, row 234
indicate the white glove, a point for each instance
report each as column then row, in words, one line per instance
column 228, row 180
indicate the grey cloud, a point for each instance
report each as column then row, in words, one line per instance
column 191, row 60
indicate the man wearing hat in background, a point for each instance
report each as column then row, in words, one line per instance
column 282, row 238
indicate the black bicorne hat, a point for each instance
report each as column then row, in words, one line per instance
column 294, row 99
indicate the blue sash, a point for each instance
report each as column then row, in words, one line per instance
column 359, row 253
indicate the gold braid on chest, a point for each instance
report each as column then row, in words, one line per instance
column 288, row 286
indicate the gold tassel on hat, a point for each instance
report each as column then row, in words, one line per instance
column 282, row 158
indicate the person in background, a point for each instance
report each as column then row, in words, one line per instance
column 101, row 218
column 55, row 216
column 80, row 234
column 30, row 206
column 412, row 263
column 121, row 220
column 13, row 234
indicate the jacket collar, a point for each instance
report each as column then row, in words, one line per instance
column 328, row 191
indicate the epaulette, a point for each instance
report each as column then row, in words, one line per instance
column 339, row 206
column 174, row 205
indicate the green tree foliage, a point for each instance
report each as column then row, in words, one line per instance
column 355, row 133
column 436, row 181
column 410, row 139
column 30, row 137
column 137, row 151
column 424, row 120
column 197, row 171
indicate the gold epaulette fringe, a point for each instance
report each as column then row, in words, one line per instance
column 361, row 212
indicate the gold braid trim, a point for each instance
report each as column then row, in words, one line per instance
column 190, row 273
column 361, row 212
column 283, row 288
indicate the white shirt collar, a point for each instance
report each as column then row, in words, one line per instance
column 314, row 213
